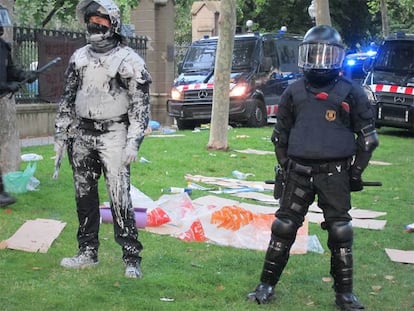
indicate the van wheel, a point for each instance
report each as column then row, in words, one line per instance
column 258, row 116
column 185, row 124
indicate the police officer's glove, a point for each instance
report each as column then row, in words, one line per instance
column 31, row 76
column 12, row 86
column 355, row 181
column 129, row 154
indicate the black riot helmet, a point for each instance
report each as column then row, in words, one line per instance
column 321, row 54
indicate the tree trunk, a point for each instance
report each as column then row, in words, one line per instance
column 9, row 136
column 384, row 18
column 221, row 100
column 323, row 15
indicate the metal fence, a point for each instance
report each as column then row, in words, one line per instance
column 28, row 52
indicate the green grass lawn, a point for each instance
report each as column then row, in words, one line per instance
column 202, row 276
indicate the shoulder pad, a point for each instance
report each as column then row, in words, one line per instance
column 81, row 57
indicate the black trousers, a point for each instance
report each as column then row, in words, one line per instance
column 331, row 188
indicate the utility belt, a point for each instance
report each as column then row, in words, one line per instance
column 309, row 167
column 101, row 125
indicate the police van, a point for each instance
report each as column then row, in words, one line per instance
column 263, row 65
column 389, row 83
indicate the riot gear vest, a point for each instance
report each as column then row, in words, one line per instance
column 100, row 97
column 321, row 129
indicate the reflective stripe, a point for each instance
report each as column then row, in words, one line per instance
column 392, row 89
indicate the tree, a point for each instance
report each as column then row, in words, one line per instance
column 58, row 13
column 220, row 112
column 9, row 135
column 323, row 15
column 393, row 15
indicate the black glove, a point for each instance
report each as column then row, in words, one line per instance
column 356, row 182
column 31, row 76
column 12, row 86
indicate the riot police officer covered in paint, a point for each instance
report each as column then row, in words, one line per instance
column 11, row 79
column 102, row 118
column 324, row 138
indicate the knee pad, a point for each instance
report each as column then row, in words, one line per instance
column 341, row 234
column 284, row 228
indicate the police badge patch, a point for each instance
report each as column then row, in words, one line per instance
column 330, row 115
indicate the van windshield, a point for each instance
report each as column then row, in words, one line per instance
column 395, row 56
column 201, row 57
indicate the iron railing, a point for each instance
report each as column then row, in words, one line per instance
column 28, row 51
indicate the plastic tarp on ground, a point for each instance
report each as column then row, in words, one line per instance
column 219, row 221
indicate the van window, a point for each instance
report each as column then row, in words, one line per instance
column 269, row 50
column 395, row 55
column 287, row 50
column 243, row 54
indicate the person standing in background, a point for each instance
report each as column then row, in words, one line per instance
column 102, row 118
column 11, row 79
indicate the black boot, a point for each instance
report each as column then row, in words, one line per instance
column 348, row 302
column 264, row 293
column 342, row 273
column 276, row 258
column 6, row 199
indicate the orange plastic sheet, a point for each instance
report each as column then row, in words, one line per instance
column 234, row 217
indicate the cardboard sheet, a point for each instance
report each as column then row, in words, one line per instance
column 35, row 235
column 400, row 255
column 229, row 182
column 255, row 151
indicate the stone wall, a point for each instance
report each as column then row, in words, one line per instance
column 155, row 19
column 38, row 119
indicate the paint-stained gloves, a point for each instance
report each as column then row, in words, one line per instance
column 130, row 154
column 60, row 146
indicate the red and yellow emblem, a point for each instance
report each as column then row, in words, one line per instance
column 330, row 115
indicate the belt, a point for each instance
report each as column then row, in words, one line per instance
column 322, row 167
column 101, row 125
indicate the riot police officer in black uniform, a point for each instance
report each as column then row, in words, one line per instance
column 10, row 78
column 324, row 138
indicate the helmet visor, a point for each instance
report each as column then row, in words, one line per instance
column 320, row 56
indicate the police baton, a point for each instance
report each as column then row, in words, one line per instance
column 364, row 183
column 44, row 68
column 38, row 72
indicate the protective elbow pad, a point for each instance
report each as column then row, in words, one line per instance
column 369, row 137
